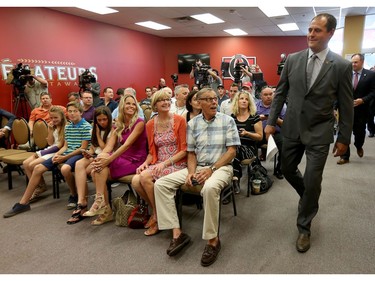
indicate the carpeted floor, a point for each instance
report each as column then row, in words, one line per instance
column 261, row 239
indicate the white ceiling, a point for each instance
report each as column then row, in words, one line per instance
column 250, row 19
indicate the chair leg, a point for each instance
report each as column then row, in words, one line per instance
column 10, row 183
column 109, row 191
column 248, row 180
column 234, row 200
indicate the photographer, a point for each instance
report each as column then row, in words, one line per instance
column 33, row 88
column 204, row 75
column 87, row 81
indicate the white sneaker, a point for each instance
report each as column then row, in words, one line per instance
column 24, row 146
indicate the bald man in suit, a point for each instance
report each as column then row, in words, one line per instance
column 363, row 95
column 309, row 121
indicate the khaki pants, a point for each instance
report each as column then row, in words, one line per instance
column 165, row 189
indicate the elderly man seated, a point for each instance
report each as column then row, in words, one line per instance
column 212, row 139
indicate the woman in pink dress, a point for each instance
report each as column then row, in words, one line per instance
column 166, row 134
column 130, row 140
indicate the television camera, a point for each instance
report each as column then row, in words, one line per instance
column 86, row 78
column 202, row 74
column 21, row 74
column 238, row 72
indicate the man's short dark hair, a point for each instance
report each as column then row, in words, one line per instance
column 331, row 20
column 361, row 56
column 106, row 88
column 234, row 85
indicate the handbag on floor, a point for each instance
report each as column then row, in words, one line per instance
column 258, row 172
column 123, row 206
column 139, row 216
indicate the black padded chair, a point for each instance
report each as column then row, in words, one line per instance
column 196, row 190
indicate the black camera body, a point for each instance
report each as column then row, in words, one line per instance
column 202, row 73
column 174, row 77
column 21, row 76
column 238, row 71
column 86, row 78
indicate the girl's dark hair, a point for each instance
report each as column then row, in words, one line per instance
column 188, row 100
column 98, row 111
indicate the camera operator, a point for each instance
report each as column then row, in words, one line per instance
column 247, row 76
column 33, row 88
column 204, row 75
column 88, row 83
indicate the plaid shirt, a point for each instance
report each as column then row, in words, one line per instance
column 210, row 139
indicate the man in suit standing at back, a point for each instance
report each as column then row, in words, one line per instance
column 364, row 93
column 312, row 80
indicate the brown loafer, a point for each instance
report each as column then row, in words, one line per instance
column 303, row 243
column 360, row 152
column 342, row 161
column 210, row 254
column 177, row 244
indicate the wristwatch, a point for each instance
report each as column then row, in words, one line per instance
column 213, row 168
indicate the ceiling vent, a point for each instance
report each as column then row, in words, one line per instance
column 183, row 19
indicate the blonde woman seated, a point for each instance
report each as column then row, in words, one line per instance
column 55, row 140
column 130, row 138
column 101, row 132
column 250, row 130
column 166, row 134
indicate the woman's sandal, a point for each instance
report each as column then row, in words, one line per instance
column 77, row 214
column 154, row 229
column 150, row 222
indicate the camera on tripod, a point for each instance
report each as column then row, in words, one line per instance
column 21, row 74
column 86, row 78
column 203, row 75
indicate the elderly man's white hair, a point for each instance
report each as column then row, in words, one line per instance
column 130, row 91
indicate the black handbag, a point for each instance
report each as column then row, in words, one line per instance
column 258, row 172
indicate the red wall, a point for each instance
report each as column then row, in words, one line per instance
column 267, row 51
column 122, row 57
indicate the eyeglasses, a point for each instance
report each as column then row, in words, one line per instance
column 162, row 100
column 209, row 99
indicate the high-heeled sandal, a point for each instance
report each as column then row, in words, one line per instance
column 77, row 214
column 98, row 207
column 105, row 217
column 154, row 229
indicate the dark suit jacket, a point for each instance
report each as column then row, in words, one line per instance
column 365, row 87
column 309, row 116
column 9, row 116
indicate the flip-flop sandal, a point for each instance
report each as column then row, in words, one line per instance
column 76, row 216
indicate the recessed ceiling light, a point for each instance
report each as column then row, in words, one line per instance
column 235, row 31
column 207, row 18
column 153, row 25
column 273, row 11
column 288, row 26
column 98, row 9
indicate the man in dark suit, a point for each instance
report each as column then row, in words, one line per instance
column 312, row 80
column 364, row 93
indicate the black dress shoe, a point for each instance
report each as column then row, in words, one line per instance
column 210, row 254
column 177, row 244
column 371, row 135
column 278, row 174
column 227, row 200
column 303, row 243
column 360, row 152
